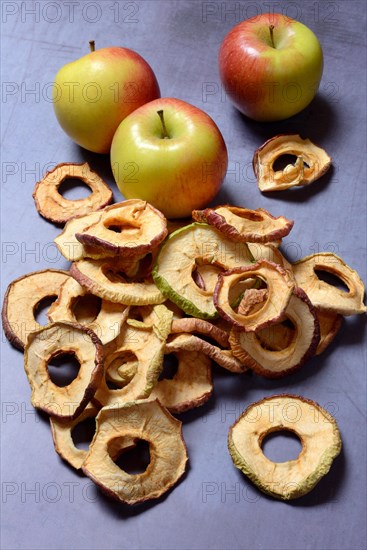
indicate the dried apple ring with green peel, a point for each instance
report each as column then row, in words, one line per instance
column 312, row 162
column 22, row 298
column 261, row 353
column 55, row 208
column 316, row 429
column 324, row 295
column 75, row 305
column 148, row 421
column 55, row 340
column 245, row 225
column 330, row 324
column 279, row 290
column 108, row 280
column 189, row 249
column 130, row 228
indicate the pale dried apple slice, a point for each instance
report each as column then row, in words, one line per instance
column 52, row 341
column 262, row 353
column 192, row 247
column 312, row 162
column 131, row 228
column 316, row 429
column 108, row 280
column 279, row 290
column 55, row 208
column 330, row 324
column 75, row 305
column 22, row 298
column 270, row 252
column 245, row 225
column 192, row 325
column 324, row 295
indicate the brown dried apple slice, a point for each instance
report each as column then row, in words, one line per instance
column 147, row 421
column 279, row 286
column 330, row 324
column 245, row 225
column 55, row 208
column 130, row 228
column 223, row 357
column 75, row 305
column 108, row 280
column 324, row 295
column 191, row 325
column 22, row 299
column 53, row 341
column 315, row 427
column 312, row 162
column 253, row 350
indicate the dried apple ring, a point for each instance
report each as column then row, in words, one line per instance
column 253, row 349
column 22, row 298
column 55, row 208
column 245, row 225
column 312, row 162
column 52, row 341
column 324, row 295
column 316, row 429
column 150, row 422
column 279, row 286
column 108, row 280
column 132, row 228
column 191, row 325
column 330, row 324
column 105, row 319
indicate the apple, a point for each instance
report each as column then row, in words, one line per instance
column 170, row 154
column 93, row 94
column 270, row 66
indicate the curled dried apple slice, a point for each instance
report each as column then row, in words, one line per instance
column 75, row 305
column 260, row 350
column 53, row 341
column 22, row 298
column 330, row 324
column 245, row 225
column 108, row 280
column 191, row 325
column 324, row 295
column 148, row 421
column 55, row 208
column 195, row 247
column 279, row 290
column 223, row 357
column 316, row 429
column 312, row 162
column 130, row 228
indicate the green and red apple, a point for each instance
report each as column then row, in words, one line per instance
column 93, row 94
column 170, row 154
column 270, row 66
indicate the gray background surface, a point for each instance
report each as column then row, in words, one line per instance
column 47, row 505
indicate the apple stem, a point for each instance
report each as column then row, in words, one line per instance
column 271, row 29
column 164, row 129
column 92, row 45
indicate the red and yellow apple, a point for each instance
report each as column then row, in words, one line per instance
column 270, row 66
column 170, row 154
column 93, row 94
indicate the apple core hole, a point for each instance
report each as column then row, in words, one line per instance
column 74, row 189
column 331, row 279
column 170, row 367
column 63, row 369
column 87, row 308
column 277, row 337
column 282, row 445
column 133, row 460
column 283, row 161
column 83, row 433
column 41, row 309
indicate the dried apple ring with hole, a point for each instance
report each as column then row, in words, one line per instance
column 313, row 425
column 312, row 162
column 330, row 324
column 22, row 299
column 279, row 290
column 324, row 295
column 260, row 350
column 55, row 340
column 130, row 228
column 55, row 208
column 75, row 305
column 108, row 280
column 191, row 249
column 245, row 225
column 192, row 325
column 148, row 421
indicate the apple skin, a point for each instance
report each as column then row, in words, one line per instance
column 176, row 174
column 93, row 94
column 269, row 83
